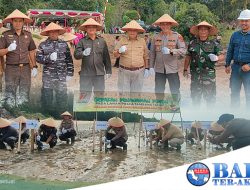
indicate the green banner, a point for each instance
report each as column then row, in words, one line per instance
column 125, row 102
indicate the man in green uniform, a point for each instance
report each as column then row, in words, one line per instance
column 202, row 55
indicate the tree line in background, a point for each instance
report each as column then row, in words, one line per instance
column 119, row 12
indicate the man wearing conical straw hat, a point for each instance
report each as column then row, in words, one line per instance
column 93, row 51
column 24, row 131
column 202, row 55
column 8, row 134
column 47, row 133
column 166, row 47
column 133, row 54
column 67, row 129
column 195, row 131
column 19, row 48
column 55, row 56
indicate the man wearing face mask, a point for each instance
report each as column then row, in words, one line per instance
column 202, row 55
column 239, row 52
column 19, row 48
column 96, row 64
column 166, row 47
column 54, row 54
column 133, row 54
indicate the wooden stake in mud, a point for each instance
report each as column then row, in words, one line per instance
column 32, row 140
column 141, row 120
column 94, row 126
column 198, row 137
column 74, row 115
column 19, row 138
column 100, row 138
column 151, row 139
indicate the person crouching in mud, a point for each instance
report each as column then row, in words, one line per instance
column 119, row 137
column 66, row 129
column 47, row 134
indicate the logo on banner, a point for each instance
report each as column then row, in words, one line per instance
column 231, row 175
column 198, row 174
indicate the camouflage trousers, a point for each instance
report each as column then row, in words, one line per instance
column 203, row 88
column 51, row 102
column 17, row 84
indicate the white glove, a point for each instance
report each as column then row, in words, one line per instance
column 159, row 143
column 122, row 49
column 12, row 46
column 64, row 131
column 213, row 57
column 146, row 73
column 53, row 56
column 68, row 78
column 38, row 137
column 165, row 50
column 151, row 71
column 34, row 72
column 108, row 76
column 86, row 52
column 108, row 141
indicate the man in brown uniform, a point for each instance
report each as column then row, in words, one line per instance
column 166, row 47
column 120, row 137
column 67, row 129
column 19, row 48
column 172, row 134
column 93, row 51
column 133, row 54
column 236, row 127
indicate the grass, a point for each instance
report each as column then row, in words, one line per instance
column 10, row 182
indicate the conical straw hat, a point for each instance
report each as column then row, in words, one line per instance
column 66, row 113
column 162, row 123
column 50, row 122
column 21, row 119
column 133, row 25
column 4, row 123
column 196, row 124
column 53, row 27
column 166, row 18
column 116, row 122
column 195, row 29
column 216, row 127
column 90, row 22
column 68, row 37
column 17, row 14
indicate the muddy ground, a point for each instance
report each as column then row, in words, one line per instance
column 78, row 162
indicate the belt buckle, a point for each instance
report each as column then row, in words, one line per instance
column 20, row 65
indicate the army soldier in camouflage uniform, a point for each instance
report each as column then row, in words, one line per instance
column 166, row 47
column 202, row 55
column 66, row 129
column 58, row 67
column 19, row 47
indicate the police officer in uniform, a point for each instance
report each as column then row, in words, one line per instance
column 54, row 54
column 202, row 55
column 166, row 47
column 19, row 48
column 66, row 129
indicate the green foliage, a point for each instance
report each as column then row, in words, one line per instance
column 193, row 14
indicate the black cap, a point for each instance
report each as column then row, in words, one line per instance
column 225, row 118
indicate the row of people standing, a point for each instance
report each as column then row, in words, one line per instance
column 135, row 62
